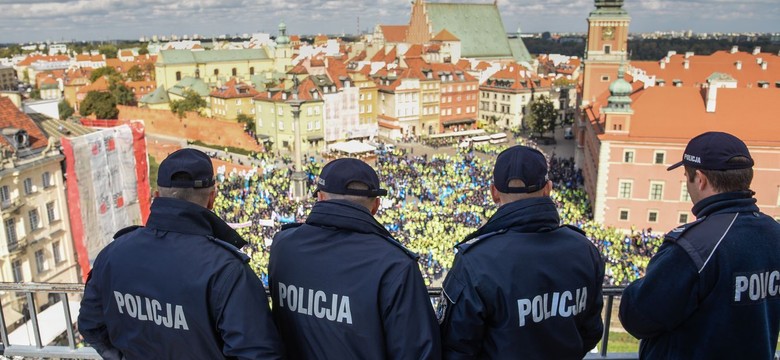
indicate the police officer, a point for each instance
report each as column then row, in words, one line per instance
column 341, row 286
column 522, row 286
column 178, row 288
column 713, row 289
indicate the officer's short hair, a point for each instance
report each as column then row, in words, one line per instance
column 512, row 197
column 193, row 195
column 364, row 201
column 726, row 180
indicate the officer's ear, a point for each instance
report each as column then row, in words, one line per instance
column 494, row 194
column 212, row 198
column 375, row 207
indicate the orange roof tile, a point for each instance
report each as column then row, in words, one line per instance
column 394, row 33
column 12, row 117
column 101, row 84
column 700, row 67
column 415, row 50
column 379, row 56
column 445, row 35
column 234, row 89
column 30, row 59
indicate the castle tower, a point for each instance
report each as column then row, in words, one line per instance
column 606, row 49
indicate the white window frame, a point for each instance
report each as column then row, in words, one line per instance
column 656, row 216
column 627, row 152
column 681, row 214
column 628, row 214
column 655, row 157
column 684, row 195
column 630, row 189
column 650, row 192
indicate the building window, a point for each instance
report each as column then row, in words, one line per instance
column 604, row 78
column 624, row 215
column 683, row 218
column 17, row 271
column 625, row 189
column 684, row 195
column 281, row 125
column 46, row 179
column 35, row 219
column 659, row 157
column 5, row 195
column 252, row 70
column 40, row 261
column 55, row 250
column 28, row 186
column 51, row 212
column 10, row 232
column 652, row 216
column 628, row 156
column 607, row 49
column 216, row 72
column 234, row 71
column 656, row 191
column 178, row 75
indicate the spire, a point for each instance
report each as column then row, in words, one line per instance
column 620, row 92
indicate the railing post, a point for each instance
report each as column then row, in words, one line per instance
column 68, row 322
column 34, row 318
column 607, row 323
column 3, row 329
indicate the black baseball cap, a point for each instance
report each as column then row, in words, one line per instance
column 713, row 150
column 521, row 163
column 338, row 174
column 189, row 161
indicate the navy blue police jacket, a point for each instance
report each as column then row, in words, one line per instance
column 177, row 289
column 713, row 289
column 523, row 287
column 343, row 288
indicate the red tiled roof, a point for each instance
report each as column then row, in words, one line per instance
column 12, row 117
column 702, row 66
column 379, row 56
column 359, row 57
column 517, row 74
column 30, row 59
column 234, row 89
column 445, row 35
column 101, row 84
column 394, row 33
column 304, row 92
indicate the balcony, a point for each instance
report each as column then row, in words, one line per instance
column 11, row 205
column 42, row 350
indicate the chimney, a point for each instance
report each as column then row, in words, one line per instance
column 763, row 65
column 734, row 49
column 663, row 64
column 759, row 61
column 756, row 50
column 671, row 53
column 688, row 54
column 711, row 100
column 739, row 65
column 686, row 64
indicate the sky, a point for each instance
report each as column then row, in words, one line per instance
column 84, row 20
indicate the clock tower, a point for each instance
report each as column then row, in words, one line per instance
column 606, row 48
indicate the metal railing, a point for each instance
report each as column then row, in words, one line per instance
column 40, row 350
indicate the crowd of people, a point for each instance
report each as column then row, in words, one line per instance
column 432, row 204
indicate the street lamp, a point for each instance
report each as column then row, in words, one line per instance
column 298, row 178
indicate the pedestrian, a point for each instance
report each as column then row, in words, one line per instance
column 178, row 288
column 522, row 286
column 342, row 287
column 713, row 289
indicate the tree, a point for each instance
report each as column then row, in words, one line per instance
column 191, row 102
column 109, row 51
column 248, row 120
column 144, row 50
column 103, row 71
column 102, row 104
column 35, row 94
column 135, row 73
column 541, row 118
column 65, row 109
column 121, row 92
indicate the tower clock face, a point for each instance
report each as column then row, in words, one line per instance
column 608, row 33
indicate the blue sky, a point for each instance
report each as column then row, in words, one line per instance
column 55, row 20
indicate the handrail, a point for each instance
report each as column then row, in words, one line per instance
column 71, row 351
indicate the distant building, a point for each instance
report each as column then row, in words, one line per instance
column 232, row 99
column 274, row 117
column 8, row 80
column 35, row 242
column 632, row 130
column 212, row 66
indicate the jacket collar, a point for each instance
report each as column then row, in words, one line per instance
column 188, row 218
column 736, row 201
column 528, row 215
column 344, row 215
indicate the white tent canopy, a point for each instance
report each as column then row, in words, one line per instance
column 351, row 147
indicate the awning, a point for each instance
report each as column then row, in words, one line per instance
column 458, row 122
column 51, row 322
column 314, row 138
column 351, row 147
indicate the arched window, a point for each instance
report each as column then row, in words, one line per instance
column 235, row 72
column 216, row 72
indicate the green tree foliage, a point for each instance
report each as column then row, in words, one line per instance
column 542, row 116
column 102, row 104
column 144, row 50
column 65, row 109
column 109, row 51
column 191, row 102
column 121, row 93
column 104, row 71
column 35, row 94
column 135, row 73
column 246, row 119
